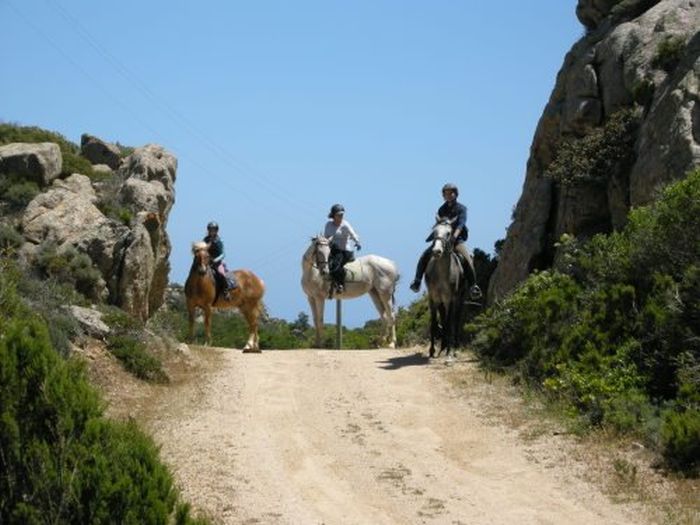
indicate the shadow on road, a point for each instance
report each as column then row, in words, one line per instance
column 394, row 363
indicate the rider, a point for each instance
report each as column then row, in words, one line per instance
column 338, row 230
column 451, row 209
column 216, row 252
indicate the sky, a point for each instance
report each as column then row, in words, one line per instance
column 276, row 110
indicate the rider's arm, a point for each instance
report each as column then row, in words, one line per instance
column 460, row 222
column 353, row 235
column 220, row 247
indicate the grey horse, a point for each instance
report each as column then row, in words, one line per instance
column 445, row 280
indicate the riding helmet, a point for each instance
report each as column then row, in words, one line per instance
column 213, row 226
column 450, row 187
column 336, row 208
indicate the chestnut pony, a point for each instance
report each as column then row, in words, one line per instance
column 200, row 291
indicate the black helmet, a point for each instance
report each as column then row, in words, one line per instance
column 336, row 208
column 450, row 187
column 213, row 226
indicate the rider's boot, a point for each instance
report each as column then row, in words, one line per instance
column 420, row 270
column 415, row 284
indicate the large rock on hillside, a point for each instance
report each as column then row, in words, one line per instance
column 40, row 162
column 66, row 215
column 646, row 53
column 133, row 258
column 149, row 191
column 97, row 151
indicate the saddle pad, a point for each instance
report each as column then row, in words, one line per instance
column 355, row 271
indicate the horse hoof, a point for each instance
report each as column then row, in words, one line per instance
column 249, row 350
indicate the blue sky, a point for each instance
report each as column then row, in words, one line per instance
column 276, row 110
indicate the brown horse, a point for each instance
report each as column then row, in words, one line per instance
column 200, row 291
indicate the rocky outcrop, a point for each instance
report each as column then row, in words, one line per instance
column 40, row 163
column 97, row 151
column 119, row 223
column 642, row 54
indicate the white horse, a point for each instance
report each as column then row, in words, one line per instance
column 368, row 274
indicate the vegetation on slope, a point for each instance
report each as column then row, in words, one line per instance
column 613, row 330
column 61, row 460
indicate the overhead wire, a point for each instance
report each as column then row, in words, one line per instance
column 244, row 169
column 240, row 189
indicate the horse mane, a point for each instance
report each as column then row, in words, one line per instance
column 199, row 245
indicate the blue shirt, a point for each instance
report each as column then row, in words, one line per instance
column 216, row 248
column 458, row 210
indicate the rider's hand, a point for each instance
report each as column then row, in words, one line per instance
column 358, row 247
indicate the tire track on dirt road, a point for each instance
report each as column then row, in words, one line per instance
column 355, row 437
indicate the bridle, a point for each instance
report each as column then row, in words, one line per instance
column 442, row 244
column 201, row 260
column 320, row 262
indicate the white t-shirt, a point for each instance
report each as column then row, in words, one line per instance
column 340, row 234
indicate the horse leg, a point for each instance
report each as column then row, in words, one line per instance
column 207, row 325
column 317, row 314
column 190, row 323
column 445, row 326
column 433, row 327
column 250, row 312
column 384, row 315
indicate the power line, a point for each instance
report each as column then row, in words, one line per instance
column 243, row 168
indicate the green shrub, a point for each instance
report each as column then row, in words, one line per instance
column 669, row 53
column 61, row 461
column 70, row 266
column 132, row 353
column 10, row 239
column 680, row 439
column 126, row 343
column 600, row 154
column 19, row 194
column 613, row 331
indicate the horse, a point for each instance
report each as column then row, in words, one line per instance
column 368, row 274
column 445, row 280
column 200, row 291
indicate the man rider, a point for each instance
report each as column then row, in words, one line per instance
column 216, row 253
column 338, row 230
column 451, row 209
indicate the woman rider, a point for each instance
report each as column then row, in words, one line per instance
column 338, row 231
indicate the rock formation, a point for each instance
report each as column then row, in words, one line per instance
column 639, row 55
column 98, row 151
column 40, row 163
column 119, row 219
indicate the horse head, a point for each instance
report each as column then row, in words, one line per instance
column 321, row 253
column 442, row 236
column 200, row 250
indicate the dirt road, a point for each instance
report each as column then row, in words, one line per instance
column 358, row 437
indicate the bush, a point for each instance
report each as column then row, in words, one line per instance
column 61, row 461
column 680, row 439
column 669, row 53
column 126, row 343
column 613, row 330
column 17, row 192
column 10, row 239
column 596, row 157
column 70, row 266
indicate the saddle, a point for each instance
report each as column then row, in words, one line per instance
column 223, row 284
